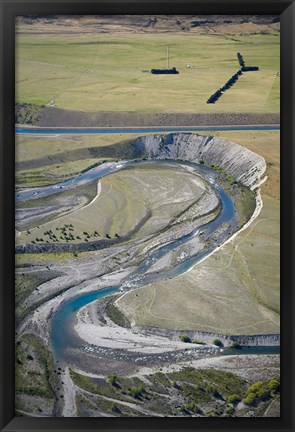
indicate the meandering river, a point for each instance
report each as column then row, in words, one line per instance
column 64, row 317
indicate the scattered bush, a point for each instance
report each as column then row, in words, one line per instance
column 136, row 392
column 230, row 410
column 175, row 385
column 274, row 385
column 236, row 345
column 115, row 408
column 218, row 342
column 190, row 407
column 263, row 394
column 113, row 379
column 250, row 399
column 185, row 338
column 234, row 399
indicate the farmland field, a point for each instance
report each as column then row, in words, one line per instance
column 101, row 73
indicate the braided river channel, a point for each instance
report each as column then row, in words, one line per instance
column 63, row 336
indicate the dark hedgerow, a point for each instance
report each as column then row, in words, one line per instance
column 215, row 96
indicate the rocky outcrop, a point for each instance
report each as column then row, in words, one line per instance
column 242, row 164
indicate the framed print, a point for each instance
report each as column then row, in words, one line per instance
column 147, row 224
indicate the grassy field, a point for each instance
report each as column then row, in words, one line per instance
column 124, row 201
column 105, row 72
column 236, row 290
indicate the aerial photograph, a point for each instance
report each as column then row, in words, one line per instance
column 147, row 222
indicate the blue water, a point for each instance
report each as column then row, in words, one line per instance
column 252, row 350
column 138, row 130
column 61, row 327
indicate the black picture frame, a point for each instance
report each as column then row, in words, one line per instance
column 11, row 8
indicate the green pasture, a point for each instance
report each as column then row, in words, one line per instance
column 47, row 66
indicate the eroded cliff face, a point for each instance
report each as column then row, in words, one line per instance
column 244, row 165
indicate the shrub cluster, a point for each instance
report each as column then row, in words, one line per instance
column 261, row 391
column 234, row 399
column 185, row 338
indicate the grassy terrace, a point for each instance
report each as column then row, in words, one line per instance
column 105, row 72
column 123, row 203
column 47, row 160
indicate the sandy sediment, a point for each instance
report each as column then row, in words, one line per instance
column 115, row 337
column 69, row 408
